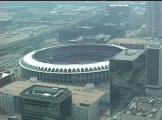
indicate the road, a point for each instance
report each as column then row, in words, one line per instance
column 5, row 116
column 133, row 34
column 38, row 38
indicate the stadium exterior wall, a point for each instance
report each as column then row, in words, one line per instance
column 95, row 72
column 94, row 77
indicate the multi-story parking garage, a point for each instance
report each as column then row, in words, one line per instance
column 88, row 63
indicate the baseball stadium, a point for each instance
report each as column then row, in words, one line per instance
column 81, row 63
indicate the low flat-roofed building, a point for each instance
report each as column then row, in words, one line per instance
column 115, row 30
column 120, row 8
column 5, row 22
column 127, row 40
column 142, row 108
column 86, row 101
column 94, row 39
column 5, row 78
column 100, row 38
column 132, row 43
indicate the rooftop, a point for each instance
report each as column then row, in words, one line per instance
column 154, row 46
column 132, row 41
column 79, row 94
column 44, row 92
column 118, row 5
column 143, row 108
column 130, row 56
column 2, row 75
column 87, row 27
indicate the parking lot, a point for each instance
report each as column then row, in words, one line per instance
column 10, row 62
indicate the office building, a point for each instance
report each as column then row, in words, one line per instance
column 45, row 103
column 139, row 44
column 128, row 77
column 6, row 100
column 154, row 18
column 154, row 69
column 125, row 66
column 154, row 66
column 115, row 30
column 141, row 108
column 87, row 101
column 65, row 35
column 124, row 10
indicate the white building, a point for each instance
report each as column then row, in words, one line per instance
column 6, row 101
column 91, row 110
column 9, row 102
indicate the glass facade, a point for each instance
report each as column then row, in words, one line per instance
column 153, row 67
column 127, row 81
column 34, row 107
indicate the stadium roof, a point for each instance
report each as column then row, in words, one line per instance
column 29, row 63
column 32, row 62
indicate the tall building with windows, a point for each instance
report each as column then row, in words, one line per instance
column 154, row 66
column 127, row 70
column 45, row 103
column 154, row 18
